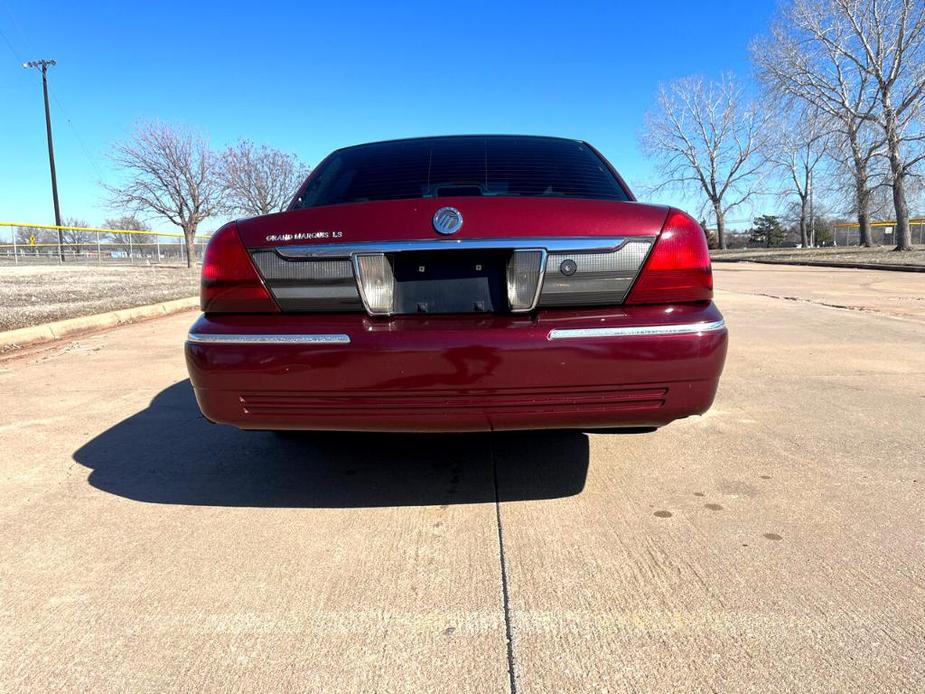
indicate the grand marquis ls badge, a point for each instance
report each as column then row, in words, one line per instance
column 447, row 220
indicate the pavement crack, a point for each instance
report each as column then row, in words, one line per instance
column 847, row 307
column 868, row 310
column 502, row 560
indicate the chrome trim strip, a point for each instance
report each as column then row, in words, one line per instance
column 319, row 339
column 599, row 244
column 636, row 330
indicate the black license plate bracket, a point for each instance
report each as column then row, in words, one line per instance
column 450, row 281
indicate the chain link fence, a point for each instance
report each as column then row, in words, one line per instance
column 881, row 233
column 39, row 244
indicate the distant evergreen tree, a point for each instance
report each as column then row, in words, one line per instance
column 767, row 231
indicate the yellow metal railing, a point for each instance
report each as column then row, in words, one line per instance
column 26, row 225
column 100, row 248
column 888, row 223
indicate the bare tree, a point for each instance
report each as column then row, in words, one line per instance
column 707, row 136
column 881, row 201
column 75, row 239
column 800, row 144
column 259, row 180
column 171, row 173
column 889, row 42
column 792, row 62
column 866, row 60
column 31, row 237
column 126, row 223
column 858, row 173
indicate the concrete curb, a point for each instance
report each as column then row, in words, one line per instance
column 64, row 328
column 825, row 263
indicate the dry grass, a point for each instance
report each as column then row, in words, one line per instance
column 879, row 255
column 41, row 294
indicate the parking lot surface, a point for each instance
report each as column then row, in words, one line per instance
column 775, row 544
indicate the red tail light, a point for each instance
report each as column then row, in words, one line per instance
column 678, row 268
column 230, row 283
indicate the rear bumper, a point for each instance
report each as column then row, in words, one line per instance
column 621, row 367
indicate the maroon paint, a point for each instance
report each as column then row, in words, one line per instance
column 458, row 373
column 392, row 220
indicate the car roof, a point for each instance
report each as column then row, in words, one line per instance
column 430, row 138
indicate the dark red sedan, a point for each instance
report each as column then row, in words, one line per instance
column 458, row 284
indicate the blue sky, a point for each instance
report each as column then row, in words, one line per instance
column 308, row 77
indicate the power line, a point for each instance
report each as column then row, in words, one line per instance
column 64, row 111
column 16, row 25
column 10, row 46
column 80, row 141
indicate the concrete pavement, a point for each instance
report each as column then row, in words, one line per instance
column 897, row 294
column 775, row 544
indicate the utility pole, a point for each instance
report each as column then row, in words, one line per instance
column 43, row 65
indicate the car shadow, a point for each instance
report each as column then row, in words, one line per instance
column 169, row 454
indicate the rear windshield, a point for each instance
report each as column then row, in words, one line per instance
column 452, row 166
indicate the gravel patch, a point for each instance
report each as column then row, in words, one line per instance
column 879, row 255
column 42, row 294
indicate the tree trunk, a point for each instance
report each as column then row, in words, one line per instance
column 862, row 200
column 720, row 226
column 861, row 191
column 863, row 228
column 901, row 231
column 804, row 239
column 189, row 236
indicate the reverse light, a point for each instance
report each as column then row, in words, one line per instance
column 523, row 278
column 230, row 284
column 376, row 281
column 678, row 268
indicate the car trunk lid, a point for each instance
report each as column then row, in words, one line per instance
column 483, row 217
column 387, row 258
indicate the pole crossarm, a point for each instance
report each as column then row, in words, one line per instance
column 39, row 63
